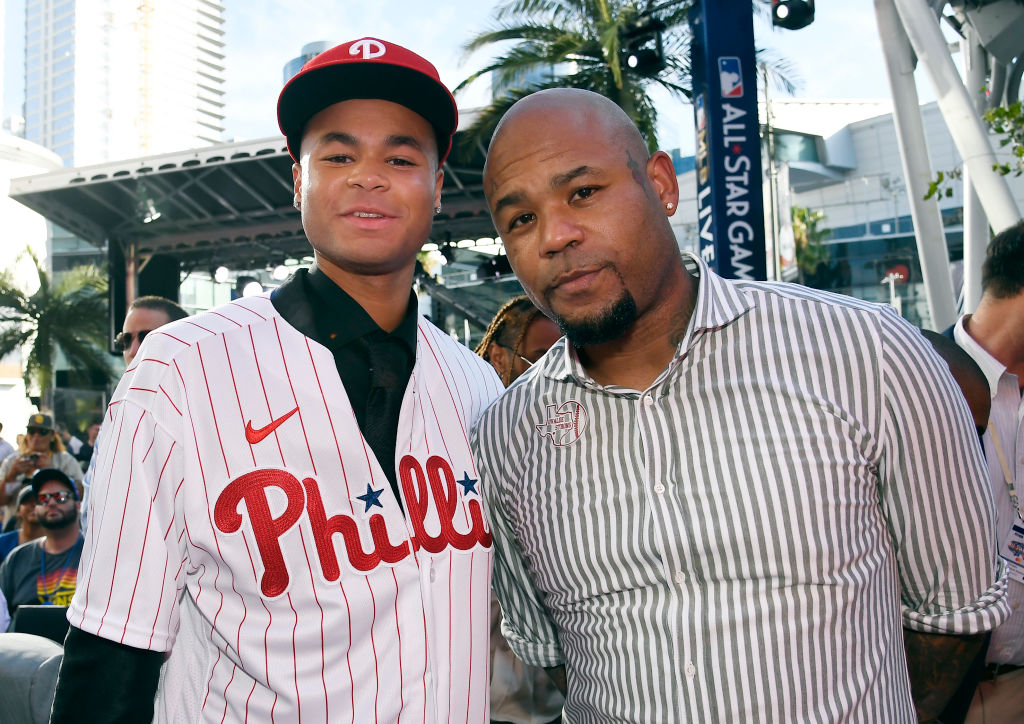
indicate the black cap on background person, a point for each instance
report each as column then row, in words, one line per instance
column 45, row 475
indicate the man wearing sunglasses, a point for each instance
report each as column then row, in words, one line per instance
column 144, row 315
column 45, row 571
column 42, row 448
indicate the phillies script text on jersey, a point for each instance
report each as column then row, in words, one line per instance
column 251, row 489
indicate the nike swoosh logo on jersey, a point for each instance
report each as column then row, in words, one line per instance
column 254, row 436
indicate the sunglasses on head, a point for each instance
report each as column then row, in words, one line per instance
column 124, row 340
column 37, row 431
column 60, row 497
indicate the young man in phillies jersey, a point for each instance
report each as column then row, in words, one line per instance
column 285, row 513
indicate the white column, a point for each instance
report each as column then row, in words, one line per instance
column 975, row 222
column 931, row 240
column 968, row 131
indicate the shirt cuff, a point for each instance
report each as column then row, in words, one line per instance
column 532, row 653
column 984, row 614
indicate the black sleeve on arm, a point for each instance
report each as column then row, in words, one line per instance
column 103, row 680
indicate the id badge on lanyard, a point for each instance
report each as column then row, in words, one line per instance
column 1011, row 549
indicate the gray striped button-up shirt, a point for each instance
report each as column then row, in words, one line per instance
column 744, row 540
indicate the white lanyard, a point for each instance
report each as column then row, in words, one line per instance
column 1007, row 475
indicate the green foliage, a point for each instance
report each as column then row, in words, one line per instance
column 941, row 185
column 586, row 34
column 1008, row 121
column 69, row 315
column 811, row 251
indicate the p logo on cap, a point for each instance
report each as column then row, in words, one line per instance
column 368, row 48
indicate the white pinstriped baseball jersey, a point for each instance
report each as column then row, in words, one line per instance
column 239, row 519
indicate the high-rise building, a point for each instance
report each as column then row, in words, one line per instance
column 112, row 79
column 309, row 51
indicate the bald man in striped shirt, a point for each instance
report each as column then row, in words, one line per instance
column 717, row 500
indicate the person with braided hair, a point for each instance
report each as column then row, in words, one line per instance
column 518, row 336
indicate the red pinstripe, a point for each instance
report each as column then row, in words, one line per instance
column 426, row 660
column 240, row 305
column 263, row 386
column 295, row 657
column 225, row 317
column 398, row 633
column 323, row 646
column 227, row 470
column 171, row 336
column 224, row 715
column 213, row 410
column 160, row 601
column 270, row 616
column 469, row 689
column 248, row 698
column 124, row 514
column 194, row 323
column 462, row 427
column 295, row 399
column 142, row 553
column 302, row 539
column 170, row 400
column 450, row 660
column 373, row 647
column 234, row 386
column 206, row 494
column 167, row 557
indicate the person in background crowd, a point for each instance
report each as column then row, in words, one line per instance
column 45, row 570
column 714, row 499
column 28, row 524
column 6, row 449
column 42, row 448
column 144, row 315
column 71, row 442
column 516, row 339
column 994, row 336
column 85, row 453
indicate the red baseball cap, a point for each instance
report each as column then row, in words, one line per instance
column 367, row 68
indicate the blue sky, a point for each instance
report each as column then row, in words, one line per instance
column 838, row 56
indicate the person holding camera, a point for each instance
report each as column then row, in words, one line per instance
column 42, row 448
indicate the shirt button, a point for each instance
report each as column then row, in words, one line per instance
column 648, row 400
column 680, row 577
column 690, row 670
column 659, row 488
column 433, row 575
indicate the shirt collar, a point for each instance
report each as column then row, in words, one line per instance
column 719, row 303
column 992, row 368
column 316, row 306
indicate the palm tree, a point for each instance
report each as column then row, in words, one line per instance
column 69, row 315
column 811, row 251
column 588, row 35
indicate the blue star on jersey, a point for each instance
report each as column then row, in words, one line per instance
column 468, row 484
column 371, row 498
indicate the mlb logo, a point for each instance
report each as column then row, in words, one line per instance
column 730, row 77
column 702, row 117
